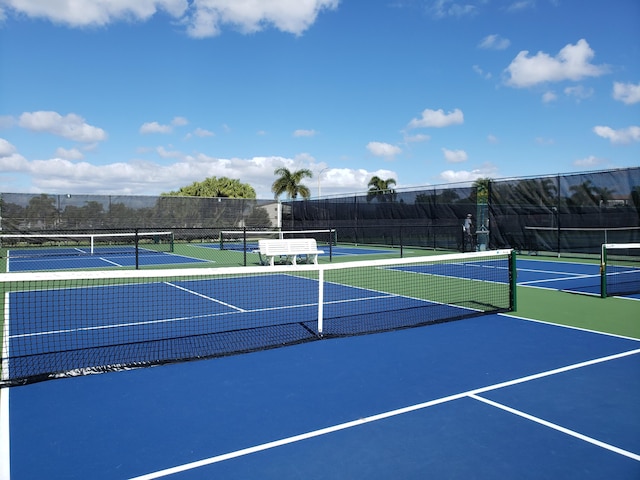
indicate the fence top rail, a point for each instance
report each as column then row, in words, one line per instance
column 81, row 235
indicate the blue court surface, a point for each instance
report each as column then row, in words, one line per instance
column 59, row 259
column 569, row 276
column 490, row 397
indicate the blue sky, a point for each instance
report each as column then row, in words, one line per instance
column 112, row 97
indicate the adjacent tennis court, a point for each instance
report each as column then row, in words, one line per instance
column 36, row 252
column 492, row 396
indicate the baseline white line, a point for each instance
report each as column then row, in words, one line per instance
column 373, row 418
column 559, row 428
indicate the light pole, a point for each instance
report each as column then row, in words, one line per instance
column 319, row 175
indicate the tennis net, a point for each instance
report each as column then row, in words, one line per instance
column 620, row 269
column 70, row 323
column 59, row 244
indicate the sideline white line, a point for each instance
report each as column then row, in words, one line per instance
column 559, row 428
column 570, row 327
column 562, row 279
column 5, row 451
column 374, row 418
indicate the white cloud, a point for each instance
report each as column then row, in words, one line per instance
column 492, row 139
column 487, row 169
column 71, row 126
column 589, row 162
column 83, row 13
column 437, row 119
column 305, row 133
column 622, row 136
column 291, row 16
column 455, row 176
column 455, row 156
column 418, row 138
column 6, row 148
column 179, row 121
column 548, row 97
column 521, row 5
column 174, row 169
column 201, row 132
column 155, row 127
column 164, row 153
column 482, row 73
column 571, row 63
column 349, row 180
column 202, row 18
column 628, row 93
column 579, row 92
column 450, row 8
column 10, row 159
column 386, row 150
column 494, row 42
column 71, row 154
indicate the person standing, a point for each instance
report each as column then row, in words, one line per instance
column 469, row 233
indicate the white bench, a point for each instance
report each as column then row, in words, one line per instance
column 289, row 248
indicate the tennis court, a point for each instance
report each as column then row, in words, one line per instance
column 35, row 252
column 492, row 396
column 103, row 258
column 576, row 277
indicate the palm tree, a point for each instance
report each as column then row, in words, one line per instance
column 289, row 183
column 381, row 189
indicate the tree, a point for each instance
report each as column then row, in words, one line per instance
column 381, row 189
column 216, row 187
column 584, row 194
column 42, row 211
column 482, row 190
column 289, row 183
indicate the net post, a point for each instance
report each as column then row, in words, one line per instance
column 331, row 240
column 320, row 301
column 244, row 244
column 603, row 271
column 513, row 281
column 136, row 242
column 91, row 248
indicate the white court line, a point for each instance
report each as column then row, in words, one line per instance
column 5, row 452
column 559, row 428
column 109, row 261
column 206, row 297
column 562, row 279
column 373, row 418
